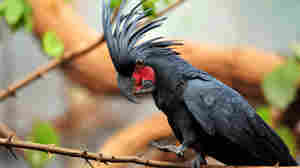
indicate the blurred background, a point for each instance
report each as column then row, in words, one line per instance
column 82, row 116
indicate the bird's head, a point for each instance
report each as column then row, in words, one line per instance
column 129, row 57
column 140, row 82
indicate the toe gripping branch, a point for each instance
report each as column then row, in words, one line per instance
column 178, row 150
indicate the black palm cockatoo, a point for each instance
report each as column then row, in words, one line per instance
column 204, row 114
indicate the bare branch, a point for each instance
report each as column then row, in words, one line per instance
column 171, row 7
column 5, row 132
column 86, row 155
column 10, row 150
column 105, row 159
column 39, row 72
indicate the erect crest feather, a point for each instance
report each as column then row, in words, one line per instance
column 123, row 34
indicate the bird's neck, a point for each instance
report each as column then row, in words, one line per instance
column 167, row 69
column 168, row 75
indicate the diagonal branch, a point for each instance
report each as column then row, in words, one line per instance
column 39, row 72
column 86, row 155
column 171, row 7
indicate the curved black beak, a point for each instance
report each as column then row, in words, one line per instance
column 126, row 85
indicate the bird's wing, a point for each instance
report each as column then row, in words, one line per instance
column 223, row 112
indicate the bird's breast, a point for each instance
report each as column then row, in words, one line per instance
column 166, row 96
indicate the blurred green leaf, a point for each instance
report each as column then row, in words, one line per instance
column 27, row 9
column 167, row 1
column 150, row 7
column 43, row 133
column 52, row 45
column 14, row 11
column 17, row 13
column 3, row 6
column 265, row 114
column 115, row 3
column 296, row 50
column 280, row 86
column 288, row 138
column 28, row 21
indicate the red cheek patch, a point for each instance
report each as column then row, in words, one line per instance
column 143, row 73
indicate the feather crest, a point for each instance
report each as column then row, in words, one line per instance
column 124, row 33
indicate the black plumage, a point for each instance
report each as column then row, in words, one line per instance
column 204, row 113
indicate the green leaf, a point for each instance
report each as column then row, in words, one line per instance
column 14, row 11
column 115, row 3
column 3, row 6
column 28, row 21
column 296, row 50
column 265, row 114
column 288, row 138
column 150, row 5
column 280, row 86
column 42, row 133
column 52, row 45
column 167, row 1
column 27, row 9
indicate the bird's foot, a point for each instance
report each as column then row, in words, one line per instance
column 179, row 151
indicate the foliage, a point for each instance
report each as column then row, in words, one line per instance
column 280, row 85
column 43, row 133
column 150, row 6
column 17, row 13
column 52, row 45
column 115, row 3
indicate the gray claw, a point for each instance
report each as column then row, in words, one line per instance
column 168, row 148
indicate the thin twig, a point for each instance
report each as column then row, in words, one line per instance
column 6, row 132
column 171, row 7
column 86, row 155
column 39, row 72
column 163, row 12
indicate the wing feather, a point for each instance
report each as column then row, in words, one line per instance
column 222, row 112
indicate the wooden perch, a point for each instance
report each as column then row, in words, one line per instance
column 6, row 132
column 98, row 157
column 136, row 137
column 6, row 142
column 103, row 158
